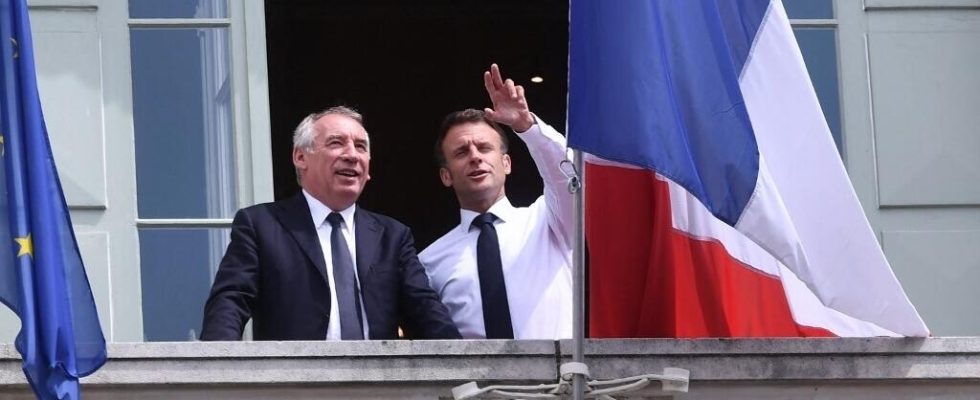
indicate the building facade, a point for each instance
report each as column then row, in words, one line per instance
column 162, row 127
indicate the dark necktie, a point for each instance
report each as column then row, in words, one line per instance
column 348, row 296
column 493, row 290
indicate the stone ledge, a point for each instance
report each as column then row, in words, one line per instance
column 875, row 367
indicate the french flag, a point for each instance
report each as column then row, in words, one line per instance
column 716, row 202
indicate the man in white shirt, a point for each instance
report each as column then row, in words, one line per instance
column 504, row 271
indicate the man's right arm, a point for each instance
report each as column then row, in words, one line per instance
column 235, row 287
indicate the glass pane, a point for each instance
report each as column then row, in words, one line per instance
column 182, row 98
column 809, row 9
column 819, row 47
column 177, row 267
column 178, row 9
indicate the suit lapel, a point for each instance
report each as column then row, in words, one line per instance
column 294, row 215
column 367, row 237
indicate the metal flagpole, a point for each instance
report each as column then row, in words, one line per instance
column 577, row 187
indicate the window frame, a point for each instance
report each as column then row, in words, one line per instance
column 250, row 119
column 250, row 106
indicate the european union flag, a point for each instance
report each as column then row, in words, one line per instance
column 41, row 273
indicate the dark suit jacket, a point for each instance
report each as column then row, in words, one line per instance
column 274, row 272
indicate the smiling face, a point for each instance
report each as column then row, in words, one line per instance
column 336, row 168
column 476, row 165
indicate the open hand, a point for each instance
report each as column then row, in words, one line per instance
column 509, row 104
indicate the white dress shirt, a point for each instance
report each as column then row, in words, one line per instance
column 319, row 213
column 535, row 252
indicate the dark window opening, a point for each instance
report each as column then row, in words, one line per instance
column 404, row 66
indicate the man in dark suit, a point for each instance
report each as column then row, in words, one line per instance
column 316, row 266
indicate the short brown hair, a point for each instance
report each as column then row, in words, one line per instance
column 467, row 116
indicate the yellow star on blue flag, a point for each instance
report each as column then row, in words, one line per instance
column 26, row 246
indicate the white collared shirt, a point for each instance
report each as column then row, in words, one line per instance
column 319, row 213
column 535, row 253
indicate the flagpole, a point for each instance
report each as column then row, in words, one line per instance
column 577, row 187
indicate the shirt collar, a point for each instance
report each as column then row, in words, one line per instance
column 502, row 209
column 319, row 211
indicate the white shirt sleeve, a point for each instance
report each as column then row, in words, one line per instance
column 548, row 149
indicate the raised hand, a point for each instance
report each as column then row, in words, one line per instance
column 509, row 104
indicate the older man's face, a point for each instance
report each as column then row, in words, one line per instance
column 336, row 169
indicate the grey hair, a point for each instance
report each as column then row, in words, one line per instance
column 304, row 135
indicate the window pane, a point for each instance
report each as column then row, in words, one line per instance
column 809, row 9
column 178, row 9
column 182, row 98
column 177, row 267
column 819, row 47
